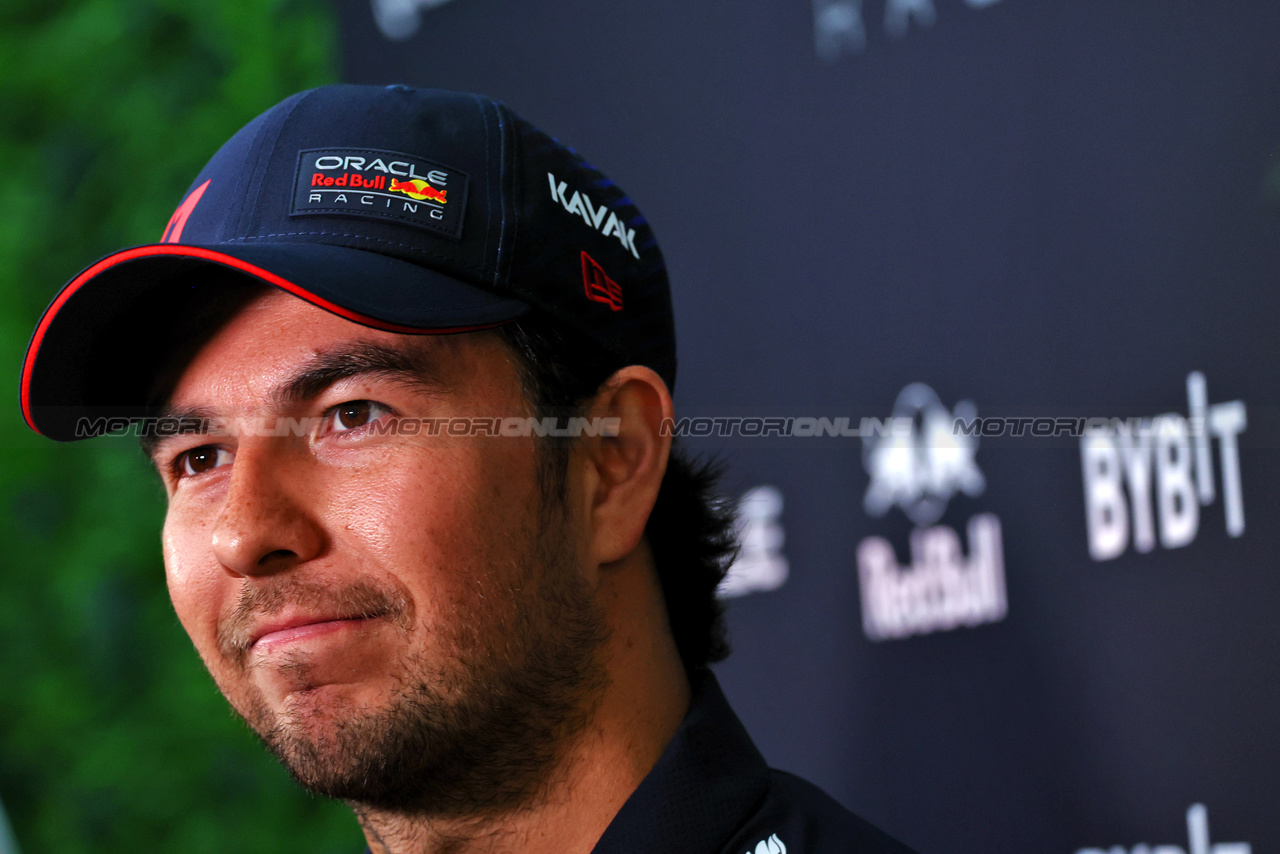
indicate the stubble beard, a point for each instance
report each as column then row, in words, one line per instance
column 479, row 737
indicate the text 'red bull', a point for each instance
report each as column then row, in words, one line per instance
column 350, row 179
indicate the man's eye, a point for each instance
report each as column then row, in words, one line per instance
column 353, row 414
column 200, row 460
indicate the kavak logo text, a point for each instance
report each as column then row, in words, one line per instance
column 380, row 185
column 920, row 469
column 600, row 218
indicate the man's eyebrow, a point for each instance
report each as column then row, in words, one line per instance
column 412, row 367
column 194, row 420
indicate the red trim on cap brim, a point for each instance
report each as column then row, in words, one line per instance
column 218, row 258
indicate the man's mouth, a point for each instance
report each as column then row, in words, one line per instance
column 277, row 632
column 282, row 611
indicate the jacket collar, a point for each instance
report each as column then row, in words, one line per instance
column 702, row 788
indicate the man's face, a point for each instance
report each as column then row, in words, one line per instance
column 402, row 618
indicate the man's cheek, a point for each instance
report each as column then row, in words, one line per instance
column 199, row 624
column 403, row 518
column 194, row 594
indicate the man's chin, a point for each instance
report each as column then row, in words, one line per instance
column 326, row 736
column 354, row 741
column 270, row 694
column 311, row 710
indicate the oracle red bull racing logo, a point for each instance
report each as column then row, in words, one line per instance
column 380, row 185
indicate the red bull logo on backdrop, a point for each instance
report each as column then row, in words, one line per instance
column 919, row 470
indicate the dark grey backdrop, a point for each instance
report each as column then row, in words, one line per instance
column 1045, row 209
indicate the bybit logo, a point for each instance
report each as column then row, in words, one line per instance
column 1170, row 457
column 1197, row 836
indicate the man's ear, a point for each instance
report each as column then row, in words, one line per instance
column 623, row 466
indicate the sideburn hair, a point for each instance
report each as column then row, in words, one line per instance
column 691, row 529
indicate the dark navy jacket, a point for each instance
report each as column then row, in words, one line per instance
column 712, row 793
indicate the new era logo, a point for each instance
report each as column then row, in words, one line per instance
column 600, row 287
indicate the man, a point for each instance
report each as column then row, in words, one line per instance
column 403, row 363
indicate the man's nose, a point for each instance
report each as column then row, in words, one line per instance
column 266, row 523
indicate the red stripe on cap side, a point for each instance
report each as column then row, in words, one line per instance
column 219, row 258
column 178, row 221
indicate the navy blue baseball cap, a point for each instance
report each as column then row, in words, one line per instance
column 411, row 210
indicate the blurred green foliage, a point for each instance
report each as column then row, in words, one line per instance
column 112, row 737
